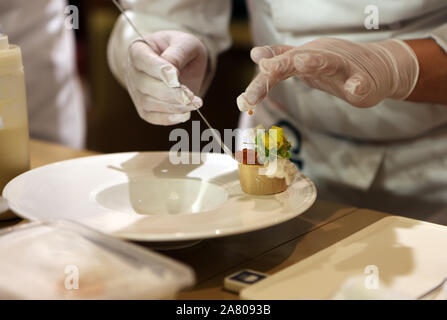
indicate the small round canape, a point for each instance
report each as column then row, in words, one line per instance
column 251, row 179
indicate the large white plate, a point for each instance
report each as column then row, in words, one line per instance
column 144, row 197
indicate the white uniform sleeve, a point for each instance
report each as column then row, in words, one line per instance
column 440, row 36
column 206, row 19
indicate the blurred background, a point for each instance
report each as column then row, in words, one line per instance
column 113, row 122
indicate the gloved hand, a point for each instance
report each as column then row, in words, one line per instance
column 163, row 79
column 362, row 74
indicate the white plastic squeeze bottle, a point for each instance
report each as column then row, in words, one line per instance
column 14, row 136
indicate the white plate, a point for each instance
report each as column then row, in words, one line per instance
column 144, row 197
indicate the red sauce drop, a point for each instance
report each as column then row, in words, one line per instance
column 247, row 156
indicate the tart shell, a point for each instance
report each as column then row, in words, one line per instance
column 257, row 184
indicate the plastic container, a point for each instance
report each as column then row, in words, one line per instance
column 65, row 260
column 14, row 136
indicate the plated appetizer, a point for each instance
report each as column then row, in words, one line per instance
column 266, row 169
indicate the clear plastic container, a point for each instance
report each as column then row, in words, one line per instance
column 65, row 260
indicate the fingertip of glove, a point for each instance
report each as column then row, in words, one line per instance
column 197, row 102
column 259, row 53
column 243, row 104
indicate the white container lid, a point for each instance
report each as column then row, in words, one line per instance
column 10, row 56
column 46, row 260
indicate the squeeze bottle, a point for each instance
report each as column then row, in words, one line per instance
column 14, row 136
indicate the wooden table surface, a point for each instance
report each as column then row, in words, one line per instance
column 269, row 250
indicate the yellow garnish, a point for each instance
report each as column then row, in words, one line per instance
column 274, row 133
column 277, row 140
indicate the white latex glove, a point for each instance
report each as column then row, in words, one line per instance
column 163, row 79
column 362, row 74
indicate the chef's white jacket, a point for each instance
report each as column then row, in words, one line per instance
column 55, row 99
column 391, row 157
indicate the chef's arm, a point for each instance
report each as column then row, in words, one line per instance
column 208, row 20
column 432, row 56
